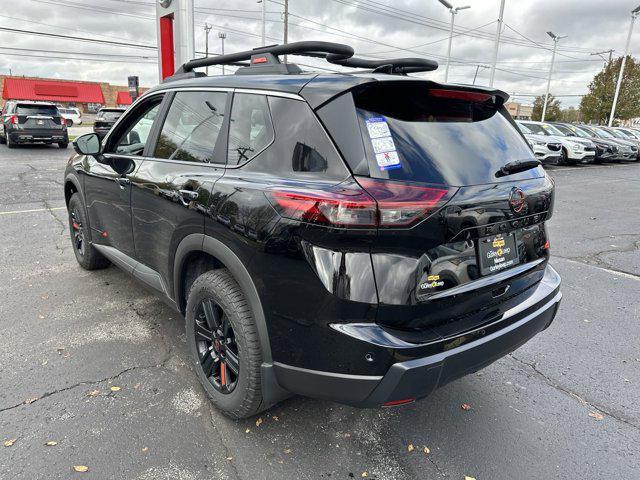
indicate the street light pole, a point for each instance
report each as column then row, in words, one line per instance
column 634, row 14
column 497, row 44
column 207, row 29
column 454, row 12
column 286, row 25
column 556, row 39
column 478, row 67
column 264, row 21
column 222, row 36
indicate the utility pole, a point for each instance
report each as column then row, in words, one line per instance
column 478, row 67
column 634, row 14
column 207, row 29
column 610, row 52
column 222, row 36
column 497, row 45
column 286, row 25
column 556, row 39
column 264, row 21
column 454, row 12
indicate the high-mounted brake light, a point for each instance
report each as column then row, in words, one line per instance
column 401, row 204
column 367, row 203
column 460, row 95
column 259, row 60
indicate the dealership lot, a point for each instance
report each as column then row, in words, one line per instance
column 566, row 405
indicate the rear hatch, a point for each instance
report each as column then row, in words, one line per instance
column 461, row 238
column 105, row 119
column 39, row 117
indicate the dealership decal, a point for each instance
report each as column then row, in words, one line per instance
column 383, row 146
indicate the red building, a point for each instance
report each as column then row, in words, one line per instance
column 87, row 96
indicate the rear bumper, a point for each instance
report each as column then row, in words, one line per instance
column 33, row 136
column 419, row 377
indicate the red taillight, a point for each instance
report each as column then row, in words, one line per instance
column 63, row 122
column 14, row 119
column 460, row 95
column 368, row 203
column 401, row 204
column 348, row 206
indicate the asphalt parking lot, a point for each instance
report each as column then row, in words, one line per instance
column 566, row 405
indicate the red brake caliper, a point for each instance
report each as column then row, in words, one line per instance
column 223, row 374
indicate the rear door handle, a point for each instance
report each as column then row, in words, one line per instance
column 123, row 181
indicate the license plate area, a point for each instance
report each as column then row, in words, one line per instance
column 497, row 253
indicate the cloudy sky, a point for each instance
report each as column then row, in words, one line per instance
column 375, row 28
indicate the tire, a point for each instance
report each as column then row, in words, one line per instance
column 63, row 145
column 87, row 256
column 2, row 138
column 239, row 395
column 69, row 122
column 10, row 144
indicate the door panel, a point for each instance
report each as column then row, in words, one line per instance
column 170, row 192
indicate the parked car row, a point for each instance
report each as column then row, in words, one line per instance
column 556, row 143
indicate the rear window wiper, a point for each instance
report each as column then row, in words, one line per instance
column 517, row 166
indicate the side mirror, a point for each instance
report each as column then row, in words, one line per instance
column 87, row 144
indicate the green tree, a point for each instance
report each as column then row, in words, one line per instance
column 553, row 109
column 571, row 115
column 596, row 105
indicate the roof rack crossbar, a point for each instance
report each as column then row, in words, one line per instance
column 396, row 65
column 308, row 48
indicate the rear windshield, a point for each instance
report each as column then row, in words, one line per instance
column 108, row 115
column 47, row 110
column 412, row 134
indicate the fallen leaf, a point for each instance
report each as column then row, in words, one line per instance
column 60, row 350
column 81, row 468
column 136, row 386
column 44, row 363
column 9, row 443
column 466, row 477
column 410, row 447
column 258, row 422
column 145, row 449
column 229, row 458
column 596, row 415
column 115, row 389
column 51, row 443
column 41, row 317
column 247, row 430
column 29, row 401
column 465, row 406
column 93, row 393
column 426, row 450
column 287, row 450
column 364, row 474
column 275, row 418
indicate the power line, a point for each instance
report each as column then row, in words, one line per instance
column 70, row 37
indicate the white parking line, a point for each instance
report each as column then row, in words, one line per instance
column 612, row 272
column 14, row 212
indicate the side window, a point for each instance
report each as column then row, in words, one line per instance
column 303, row 149
column 192, row 126
column 250, row 129
column 133, row 139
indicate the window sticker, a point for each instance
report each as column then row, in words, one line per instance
column 383, row 145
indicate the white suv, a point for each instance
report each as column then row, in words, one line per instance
column 71, row 114
column 574, row 149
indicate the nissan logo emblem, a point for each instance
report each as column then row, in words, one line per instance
column 516, row 200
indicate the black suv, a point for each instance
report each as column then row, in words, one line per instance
column 360, row 237
column 32, row 122
column 105, row 119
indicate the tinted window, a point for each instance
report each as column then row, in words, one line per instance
column 565, row 130
column 47, row 110
column 250, row 129
column 302, row 149
column 109, row 115
column 192, row 126
column 412, row 135
column 132, row 141
column 537, row 129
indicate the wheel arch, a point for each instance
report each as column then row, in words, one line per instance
column 194, row 247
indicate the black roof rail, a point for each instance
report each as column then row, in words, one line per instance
column 309, row 49
column 264, row 60
column 387, row 65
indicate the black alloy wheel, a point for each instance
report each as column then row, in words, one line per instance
column 77, row 231
column 218, row 353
